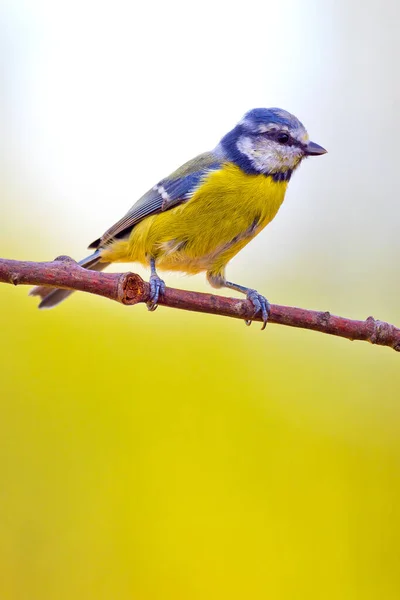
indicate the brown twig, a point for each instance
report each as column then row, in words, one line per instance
column 129, row 288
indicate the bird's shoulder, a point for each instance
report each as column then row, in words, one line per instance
column 200, row 163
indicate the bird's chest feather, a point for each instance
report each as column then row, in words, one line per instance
column 235, row 199
column 223, row 215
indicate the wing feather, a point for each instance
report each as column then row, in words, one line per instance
column 169, row 192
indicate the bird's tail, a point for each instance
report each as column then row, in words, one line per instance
column 53, row 296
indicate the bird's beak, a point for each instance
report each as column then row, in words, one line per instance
column 314, row 149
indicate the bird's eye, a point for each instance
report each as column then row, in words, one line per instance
column 282, row 138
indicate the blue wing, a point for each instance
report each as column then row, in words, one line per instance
column 169, row 192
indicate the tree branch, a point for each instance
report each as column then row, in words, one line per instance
column 129, row 288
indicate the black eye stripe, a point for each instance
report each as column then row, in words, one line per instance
column 274, row 133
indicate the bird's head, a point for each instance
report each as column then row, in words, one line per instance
column 269, row 141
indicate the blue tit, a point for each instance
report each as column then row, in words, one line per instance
column 204, row 213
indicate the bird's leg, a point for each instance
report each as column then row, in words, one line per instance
column 261, row 304
column 157, row 286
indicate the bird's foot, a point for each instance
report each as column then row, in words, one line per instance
column 157, row 288
column 261, row 305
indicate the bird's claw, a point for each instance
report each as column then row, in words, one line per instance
column 157, row 289
column 261, row 305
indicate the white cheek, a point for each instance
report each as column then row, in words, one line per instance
column 261, row 157
column 268, row 156
column 245, row 146
column 289, row 156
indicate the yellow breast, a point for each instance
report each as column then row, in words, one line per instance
column 204, row 233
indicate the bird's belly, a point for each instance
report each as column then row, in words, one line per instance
column 202, row 252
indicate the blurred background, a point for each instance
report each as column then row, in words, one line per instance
column 184, row 456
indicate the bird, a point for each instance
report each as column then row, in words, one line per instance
column 199, row 217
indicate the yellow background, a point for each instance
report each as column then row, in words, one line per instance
column 183, row 456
